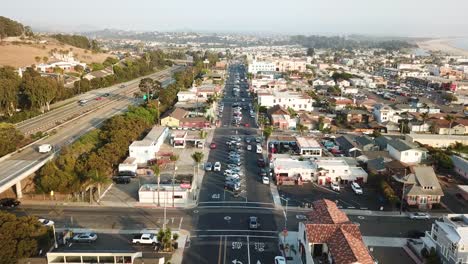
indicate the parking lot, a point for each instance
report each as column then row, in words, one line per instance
column 346, row 198
column 233, row 249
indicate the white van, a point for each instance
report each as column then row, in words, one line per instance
column 45, row 148
column 259, row 148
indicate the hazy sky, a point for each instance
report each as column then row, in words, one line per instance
column 379, row 17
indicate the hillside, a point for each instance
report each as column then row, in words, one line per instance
column 11, row 28
column 19, row 55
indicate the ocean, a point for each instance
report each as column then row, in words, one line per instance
column 461, row 43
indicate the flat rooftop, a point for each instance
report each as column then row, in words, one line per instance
column 307, row 142
column 287, row 164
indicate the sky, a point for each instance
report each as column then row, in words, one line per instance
column 414, row 18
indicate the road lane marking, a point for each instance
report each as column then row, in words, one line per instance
column 225, row 242
column 248, row 249
column 220, row 248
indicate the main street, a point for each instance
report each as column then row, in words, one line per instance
column 218, row 226
column 81, row 119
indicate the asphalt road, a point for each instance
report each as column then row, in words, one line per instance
column 218, row 227
column 87, row 118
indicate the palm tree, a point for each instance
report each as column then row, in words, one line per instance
column 197, row 157
column 174, row 159
column 45, row 59
column 450, row 118
column 37, row 59
column 97, row 179
column 157, row 174
column 424, row 117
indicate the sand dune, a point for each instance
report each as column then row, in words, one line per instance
column 442, row 45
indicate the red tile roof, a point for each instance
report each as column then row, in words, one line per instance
column 331, row 226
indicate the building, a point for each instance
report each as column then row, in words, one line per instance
column 384, row 113
column 405, row 152
column 312, row 120
column 421, row 187
column 340, row 103
column 321, row 170
column 146, row 149
column 449, row 238
column 330, row 237
column 280, row 118
column 460, row 165
column 290, row 64
column 308, row 147
column 286, row 99
column 93, row 256
column 436, row 141
column 338, row 170
column 179, row 117
column 179, row 194
column 261, row 66
column 357, row 116
column 444, row 127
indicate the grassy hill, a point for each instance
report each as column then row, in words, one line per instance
column 20, row 54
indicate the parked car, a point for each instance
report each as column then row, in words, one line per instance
column 232, row 166
column 212, row 145
column 9, row 202
column 335, row 186
column 261, row 162
column 249, row 147
column 122, row 179
column 208, row 166
column 85, row 238
column 419, row 216
column 356, row 188
column 217, row 166
column 46, row 222
column 232, row 186
column 265, row 180
column 280, row 260
column 146, row 239
column 253, row 222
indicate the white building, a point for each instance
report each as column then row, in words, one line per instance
column 295, row 100
column 349, row 90
column 384, row 113
column 259, row 66
column 186, row 96
column 436, row 140
column 449, row 238
column 309, row 147
column 405, row 152
column 320, row 170
column 357, row 82
column 179, row 194
column 146, row 149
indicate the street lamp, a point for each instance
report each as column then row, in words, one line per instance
column 285, row 212
column 173, row 179
column 53, row 225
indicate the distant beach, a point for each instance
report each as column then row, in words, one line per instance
column 449, row 46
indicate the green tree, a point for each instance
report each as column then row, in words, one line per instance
column 20, row 237
column 9, row 90
column 197, row 158
column 267, row 132
column 301, row 129
column 37, row 59
column 97, row 179
column 10, row 138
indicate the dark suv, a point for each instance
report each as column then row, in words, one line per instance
column 9, row 202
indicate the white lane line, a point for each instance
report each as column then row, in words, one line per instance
column 225, row 242
column 248, row 249
column 229, row 230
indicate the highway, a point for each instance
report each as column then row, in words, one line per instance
column 78, row 121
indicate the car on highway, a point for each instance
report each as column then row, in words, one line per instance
column 356, row 188
column 335, row 186
column 217, row 166
column 85, row 238
column 98, row 98
column 46, row 222
column 212, row 145
column 83, row 102
column 265, row 180
column 9, row 202
column 106, row 95
column 253, row 222
column 122, row 86
column 419, row 216
column 208, row 166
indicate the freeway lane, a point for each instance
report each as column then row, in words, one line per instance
column 49, row 119
column 23, row 163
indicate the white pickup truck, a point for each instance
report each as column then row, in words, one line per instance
column 44, row 148
column 145, row 239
